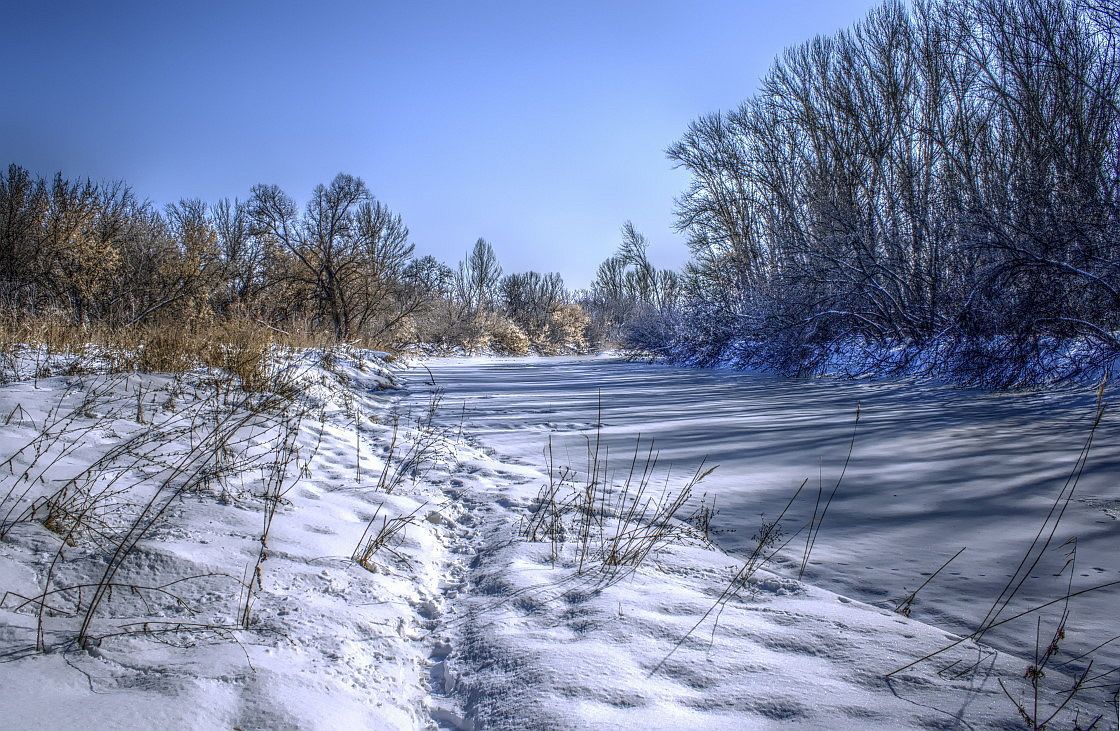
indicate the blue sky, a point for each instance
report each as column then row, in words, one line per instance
column 540, row 126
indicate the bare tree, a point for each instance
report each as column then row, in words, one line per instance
column 530, row 299
column 939, row 176
column 628, row 288
column 478, row 278
column 346, row 250
column 241, row 252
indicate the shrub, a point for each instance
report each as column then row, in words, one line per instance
column 506, row 337
column 568, row 326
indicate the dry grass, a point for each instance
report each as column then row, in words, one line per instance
column 615, row 518
column 208, row 434
column 405, row 459
column 390, row 532
column 1049, row 694
column 38, row 347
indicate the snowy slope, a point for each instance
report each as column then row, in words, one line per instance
column 328, row 643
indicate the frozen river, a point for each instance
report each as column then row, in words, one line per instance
column 934, row 469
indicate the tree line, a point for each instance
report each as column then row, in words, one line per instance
column 343, row 265
column 936, row 187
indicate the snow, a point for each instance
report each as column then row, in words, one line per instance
column 460, row 621
column 329, row 644
column 934, row 469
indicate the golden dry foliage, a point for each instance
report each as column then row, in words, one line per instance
column 568, row 325
column 506, row 337
column 239, row 345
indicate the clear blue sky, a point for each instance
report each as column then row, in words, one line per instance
column 541, row 127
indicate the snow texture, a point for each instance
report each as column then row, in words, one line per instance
column 458, row 620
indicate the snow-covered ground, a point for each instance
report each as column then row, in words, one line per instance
column 325, row 642
column 175, row 552
column 933, row 470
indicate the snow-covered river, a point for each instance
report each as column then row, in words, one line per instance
column 934, row 469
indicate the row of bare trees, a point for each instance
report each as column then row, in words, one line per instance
column 940, row 182
column 630, row 298
column 342, row 264
column 514, row 312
